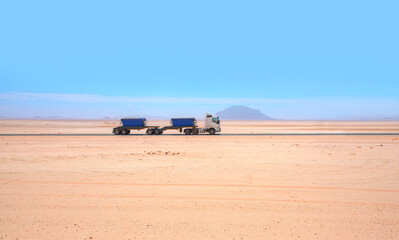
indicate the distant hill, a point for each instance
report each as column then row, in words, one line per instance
column 242, row 113
column 47, row 117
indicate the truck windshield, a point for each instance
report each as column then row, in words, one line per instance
column 216, row 120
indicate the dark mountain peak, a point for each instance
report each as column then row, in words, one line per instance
column 242, row 113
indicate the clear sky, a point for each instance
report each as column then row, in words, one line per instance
column 290, row 59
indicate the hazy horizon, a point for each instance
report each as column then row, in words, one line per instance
column 154, row 107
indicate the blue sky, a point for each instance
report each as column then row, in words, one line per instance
column 290, row 59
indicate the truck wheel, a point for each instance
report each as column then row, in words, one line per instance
column 157, row 132
column 212, row 131
column 149, row 132
column 125, row 132
column 187, row 131
column 117, row 132
column 128, row 131
column 195, row 131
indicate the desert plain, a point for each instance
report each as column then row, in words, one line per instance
column 240, row 185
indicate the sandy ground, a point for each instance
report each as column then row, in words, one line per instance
column 199, row 187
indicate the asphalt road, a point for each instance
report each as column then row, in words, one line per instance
column 224, row 134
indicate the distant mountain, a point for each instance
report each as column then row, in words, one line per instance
column 390, row 119
column 47, row 117
column 373, row 119
column 242, row 113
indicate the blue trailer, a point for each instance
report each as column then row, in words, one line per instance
column 129, row 124
column 189, row 125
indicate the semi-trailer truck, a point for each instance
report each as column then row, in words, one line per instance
column 186, row 125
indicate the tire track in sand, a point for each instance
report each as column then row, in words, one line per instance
column 208, row 185
column 201, row 198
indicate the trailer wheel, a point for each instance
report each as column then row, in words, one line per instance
column 195, row 131
column 212, row 131
column 125, row 132
column 187, row 131
column 117, row 132
column 149, row 132
column 157, row 131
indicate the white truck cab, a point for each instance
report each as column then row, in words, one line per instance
column 212, row 122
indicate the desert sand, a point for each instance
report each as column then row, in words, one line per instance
column 199, row 187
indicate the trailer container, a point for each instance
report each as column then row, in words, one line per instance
column 133, row 122
column 183, row 122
